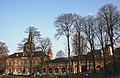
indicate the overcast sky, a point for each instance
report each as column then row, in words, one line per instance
column 17, row 15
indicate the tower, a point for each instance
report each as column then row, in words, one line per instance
column 50, row 54
column 29, row 46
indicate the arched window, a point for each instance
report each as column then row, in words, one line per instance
column 50, row 70
column 71, row 69
column 63, row 70
column 44, row 70
column 56, row 70
column 98, row 66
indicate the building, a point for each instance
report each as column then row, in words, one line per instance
column 29, row 61
column 60, row 66
column 22, row 62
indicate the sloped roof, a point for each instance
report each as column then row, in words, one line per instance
column 82, row 57
column 65, row 59
column 57, row 60
column 23, row 54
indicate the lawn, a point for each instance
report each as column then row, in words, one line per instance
column 11, row 76
column 71, row 76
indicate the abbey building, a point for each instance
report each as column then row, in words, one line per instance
column 29, row 61
column 21, row 62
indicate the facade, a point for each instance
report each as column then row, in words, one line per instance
column 19, row 62
column 29, row 61
column 22, row 62
column 60, row 66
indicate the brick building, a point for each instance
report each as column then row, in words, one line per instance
column 24, row 62
column 20, row 62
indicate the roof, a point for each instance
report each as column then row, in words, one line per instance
column 57, row 60
column 75, row 58
column 23, row 54
column 65, row 59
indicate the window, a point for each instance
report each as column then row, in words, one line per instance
column 50, row 70
column 56, row 70
column 44, row 70
column 98, row 67
column 71, row 70
column 63, row 70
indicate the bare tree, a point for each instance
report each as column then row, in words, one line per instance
column 60, row 54
column 44, row 45
column 101, row 34
column 3, row 53
column 35, row 35
column 64, row 27
column 89, row 27
column 77, row 39
column 111, row 18
column 3, row 50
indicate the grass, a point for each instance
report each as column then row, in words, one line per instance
column 71, row 76
column 80, row 76
column 11, row 76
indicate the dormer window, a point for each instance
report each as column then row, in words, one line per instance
column 23, row 54
column 16, row 54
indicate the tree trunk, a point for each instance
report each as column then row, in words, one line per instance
column 93, row 57
column 78, row 64
column 78, row 68
column 114, row 62
column 104, row 58
column 93, row 61
column 69, row 55
column 111, row 40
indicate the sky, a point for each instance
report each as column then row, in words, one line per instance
column 17, row 15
